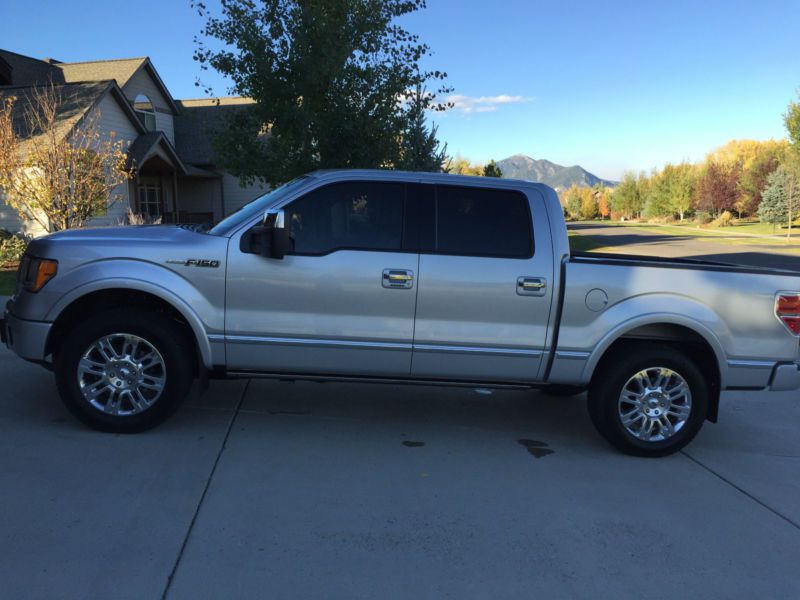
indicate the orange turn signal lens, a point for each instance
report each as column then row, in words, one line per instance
column 45, row 271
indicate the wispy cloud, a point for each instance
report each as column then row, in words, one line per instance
column 482, row 104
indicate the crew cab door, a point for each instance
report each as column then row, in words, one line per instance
column 342, row 302
column 485, row 285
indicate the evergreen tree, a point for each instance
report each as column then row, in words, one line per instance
column 492, row 170
column 774, row 206
column 420, row 149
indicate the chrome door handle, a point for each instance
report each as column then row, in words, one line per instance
column 531, row 286
column 397, row 279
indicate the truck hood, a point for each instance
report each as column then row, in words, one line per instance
column 136, row 233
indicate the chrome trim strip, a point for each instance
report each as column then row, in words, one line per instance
column 216, row 337
column 570, row 355
column 477, row 350
column 253, row 339
column 750, row 364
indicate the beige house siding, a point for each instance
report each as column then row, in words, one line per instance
column 112, row 118
column 142, row 83
column 236, row 196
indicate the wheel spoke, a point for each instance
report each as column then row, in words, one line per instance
column 121, row 374
column 654, row 404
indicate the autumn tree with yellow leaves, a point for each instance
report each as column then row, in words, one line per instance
column 55, row 177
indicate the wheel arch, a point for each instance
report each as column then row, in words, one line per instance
column 682, row 333
column 107, row 294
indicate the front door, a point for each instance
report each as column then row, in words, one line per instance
column 342, row 302
column 485, row 288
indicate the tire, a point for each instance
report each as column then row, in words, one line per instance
column 660, row 415
column 146, row 355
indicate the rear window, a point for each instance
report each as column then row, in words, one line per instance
column 482, row 222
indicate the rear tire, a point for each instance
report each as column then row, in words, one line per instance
column 648, row 400
column 124, row 370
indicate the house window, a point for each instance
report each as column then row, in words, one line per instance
column 150, row 200
column 145, row 111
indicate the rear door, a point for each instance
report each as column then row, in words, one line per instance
column 485, row 284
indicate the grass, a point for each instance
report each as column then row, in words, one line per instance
column 582, row 243
column 7, row 282
column 724, row 235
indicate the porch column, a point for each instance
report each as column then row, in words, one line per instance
column 175, row 194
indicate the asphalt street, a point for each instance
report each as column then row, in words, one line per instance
column 674, row 244
column 267, row 489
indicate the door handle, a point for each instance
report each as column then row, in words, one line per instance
column 397, row 279
column 531, row 286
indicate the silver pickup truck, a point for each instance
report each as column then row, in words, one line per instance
column 400, row 277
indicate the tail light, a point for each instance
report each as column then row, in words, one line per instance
column 787, row 309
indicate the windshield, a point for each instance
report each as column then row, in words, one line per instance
column 259, row 205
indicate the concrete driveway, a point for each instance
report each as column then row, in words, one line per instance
column 674, row 244
column 266, row 489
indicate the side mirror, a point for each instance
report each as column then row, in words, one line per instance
column 270, row 239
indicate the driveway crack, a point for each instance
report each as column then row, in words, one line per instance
column 205, row 491
column 742, row 490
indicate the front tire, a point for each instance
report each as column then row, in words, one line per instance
column 124, row 370
column 648, row 400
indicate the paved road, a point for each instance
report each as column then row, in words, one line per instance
column 304, row 490
column 631, row 240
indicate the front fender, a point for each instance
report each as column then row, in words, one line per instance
column 203, row 309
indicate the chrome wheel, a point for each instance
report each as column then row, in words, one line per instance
column 121, row 374
column 655, row 404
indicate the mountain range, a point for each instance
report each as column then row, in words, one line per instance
column 556, row 176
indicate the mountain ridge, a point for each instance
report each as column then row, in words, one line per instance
column 520, row 166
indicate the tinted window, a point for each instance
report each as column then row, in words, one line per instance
column 482, row 222
column 361, row 215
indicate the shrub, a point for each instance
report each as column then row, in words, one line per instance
column 724, row 220
column 133, row 218
column 703, row 218
column 12, row 248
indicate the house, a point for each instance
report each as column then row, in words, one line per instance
column 176, row 175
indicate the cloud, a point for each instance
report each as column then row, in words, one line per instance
column 482, row 104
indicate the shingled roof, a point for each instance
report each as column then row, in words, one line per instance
column 197, row 123
column 31, row 71
column 75, row 100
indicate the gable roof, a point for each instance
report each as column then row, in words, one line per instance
column 120, row 70
column 30, row 71
column 147, row 144
column 199, row 120
column 75, row 102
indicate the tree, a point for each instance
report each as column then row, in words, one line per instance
column 603, row 196
column 716, row 188
column 588, row 206
column 628, row 198
column 328, row 78
column 492, row 170
column 791, row 119
column 462, row 166
column 753, row 179
column 419, row 148
column 55, row 178
column 774, row 206
column 571, row 200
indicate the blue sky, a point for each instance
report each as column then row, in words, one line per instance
column 611, row 85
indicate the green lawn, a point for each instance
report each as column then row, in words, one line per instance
column 582, row 243
column 724, row 235
column 7, row 281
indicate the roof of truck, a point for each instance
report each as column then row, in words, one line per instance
column 388, row 174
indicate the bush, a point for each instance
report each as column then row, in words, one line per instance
column 12, row 248
column 724, row 220
column 703, row 218
column 133, row 218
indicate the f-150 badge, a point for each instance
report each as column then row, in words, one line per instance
column 194, row 262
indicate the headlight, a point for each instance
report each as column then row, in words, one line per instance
column 34, row 272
